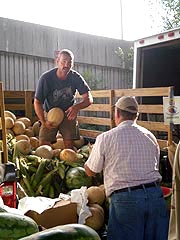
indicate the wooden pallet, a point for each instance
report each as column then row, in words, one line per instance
column 4, row 152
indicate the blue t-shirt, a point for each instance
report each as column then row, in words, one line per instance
column 53, row 92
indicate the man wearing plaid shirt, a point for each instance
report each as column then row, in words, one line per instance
column 128, row 155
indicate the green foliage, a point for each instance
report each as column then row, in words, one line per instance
column 169, row 11
column 92, row 81
column 120, row 53
column 172, row 14
column 126, row 58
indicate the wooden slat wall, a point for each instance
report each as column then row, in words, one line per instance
column 113, row 95
column 150, row 109
column 109, row 98
column 20, row 100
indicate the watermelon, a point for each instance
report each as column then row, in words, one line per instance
column 166, row 191
column 65, row 232
column 76, row 178
column 14, row 226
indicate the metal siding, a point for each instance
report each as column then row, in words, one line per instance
column 27, row 50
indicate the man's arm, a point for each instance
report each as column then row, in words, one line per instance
column 88, row 171
column 72, row 111
column 87, row 100
column 38, row 107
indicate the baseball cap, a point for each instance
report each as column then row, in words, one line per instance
column 128, row 104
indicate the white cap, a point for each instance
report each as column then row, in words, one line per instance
column 128, row 104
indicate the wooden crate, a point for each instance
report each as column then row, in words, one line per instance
column 4, row 152
column 20, row 101
column 148, row 109
column 101, row 113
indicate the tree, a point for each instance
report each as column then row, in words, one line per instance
column 126, row 58
column 170, row 12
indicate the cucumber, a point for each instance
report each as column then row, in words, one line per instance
column 65, row 232
column 14, row 226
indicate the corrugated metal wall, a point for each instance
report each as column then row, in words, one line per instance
column 27, row 50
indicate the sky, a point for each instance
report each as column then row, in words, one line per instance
column 96, row 17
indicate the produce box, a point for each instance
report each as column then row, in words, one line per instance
column 63, row 212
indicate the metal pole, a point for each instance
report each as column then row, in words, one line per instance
column 121, row 12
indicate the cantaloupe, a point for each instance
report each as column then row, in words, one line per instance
column 36, row 128
column 19, row 128
column 9, row 122
column 26, row 121
column 23, row 146
column 55, row 116
column 22, row 137
column 34, row 141
column 29, row 132
column 10, row 114
column 102, row 187
column 95, row 221
column 95, row 205
column 44, row 151
column 95, row 195
column 68, row 155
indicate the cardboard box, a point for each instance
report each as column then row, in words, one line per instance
column 63, row 212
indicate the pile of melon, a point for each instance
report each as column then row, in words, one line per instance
column 59, row 163
column 26, row 134
column 96, row 199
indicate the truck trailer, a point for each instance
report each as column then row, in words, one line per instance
column 157, row 61
column 157, row 64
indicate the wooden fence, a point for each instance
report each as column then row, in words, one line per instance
column 101, row 113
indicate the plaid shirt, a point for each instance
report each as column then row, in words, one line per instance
column 128, row 155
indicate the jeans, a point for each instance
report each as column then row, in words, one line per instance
column 138, row 215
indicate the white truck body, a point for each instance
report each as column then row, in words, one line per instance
column 157, row 61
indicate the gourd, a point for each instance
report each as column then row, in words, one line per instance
column 68, row 155
column 96, row 195
column 44, row 151
column 9, row 122
column 66, row 232
column 19, row 128
column 76, row 178
column 29, row 132
column 10, row 114
column 22, row 137
column 34, row 141
column 95, row 221
column 26, row 121
column 15, row 226
column 36, row 128
column 23, row 146
column 55, row 116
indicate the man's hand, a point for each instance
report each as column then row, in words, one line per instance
column 72, row 112
column 47, row 124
